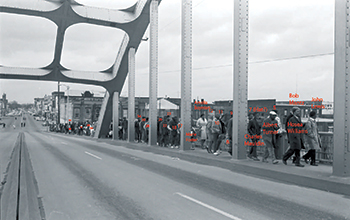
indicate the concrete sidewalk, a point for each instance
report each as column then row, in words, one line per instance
column 317, row 177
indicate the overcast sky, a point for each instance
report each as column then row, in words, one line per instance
column 278, row 29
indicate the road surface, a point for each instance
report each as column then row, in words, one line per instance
column 82, row 178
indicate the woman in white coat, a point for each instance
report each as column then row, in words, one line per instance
column 202, row 124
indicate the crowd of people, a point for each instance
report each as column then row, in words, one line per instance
column 265, row 133
column 215, row 134
column 168, row 131
column 78, row 128
column 300, row 136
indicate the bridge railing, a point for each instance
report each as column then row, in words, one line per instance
column 323, row 155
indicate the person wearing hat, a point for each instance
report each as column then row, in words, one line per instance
column 270, row 127
column 294, row 126
column 312, row 138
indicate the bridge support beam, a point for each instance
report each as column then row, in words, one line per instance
column 105, row 117
column 240, row 77
column 131, row 96
column 153, row 73
column 341, row 154
column 115, row 116
column 186, row 73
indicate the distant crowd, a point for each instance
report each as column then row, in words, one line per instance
column 78, row 128
column 215, row 134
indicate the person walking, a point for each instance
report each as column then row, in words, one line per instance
column 290, row 115
column 142, row 129
column 159, row 129
column 216, row 131
column 202, row 124
column 173, row 127
column 209, row 134
column 137, row 130
column 294, row 136
column 229, row 128
column 146, row 130
column 270, row 127
column 254, row 129
column 165, row 132
column 125, row 128
column 312, row 138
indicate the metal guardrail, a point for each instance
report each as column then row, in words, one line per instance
column 325, row 154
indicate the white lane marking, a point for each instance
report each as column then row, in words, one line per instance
column 93, row 155
column 209, row 207
column 64, row 143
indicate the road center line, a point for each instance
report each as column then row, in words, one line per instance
column 209, row 207
column 93, row 155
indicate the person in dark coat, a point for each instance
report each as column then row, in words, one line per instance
column 159, row 129
column 254, row 129
column 164, row 141
column 125, row 128
column 229, row 132
column 142, row 129
column 137, row 130
column 173, row 127
column 294, row 130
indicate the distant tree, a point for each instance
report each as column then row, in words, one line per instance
column 14, row 105
column 27, row 106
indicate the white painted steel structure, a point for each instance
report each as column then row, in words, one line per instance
column 240, row 77
column 341, row 154
column 153, row 73
column 186, row 73
column 65, row 13
column 131, row 96
column 115, row 115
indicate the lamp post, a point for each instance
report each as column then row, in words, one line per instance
column 67, row 104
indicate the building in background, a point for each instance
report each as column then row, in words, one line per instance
column 43, row 107
column 83, row 108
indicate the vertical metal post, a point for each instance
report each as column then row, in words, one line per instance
column 68, row 112
column 153, row 73
column 131, row 96
column 240, row 77
column 58, row 104
column 115, row 116
column 186, row 73
column 341, row 154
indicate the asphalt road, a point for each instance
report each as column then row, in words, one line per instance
column 82, row 178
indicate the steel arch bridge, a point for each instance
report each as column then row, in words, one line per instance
column 66, row 13
column 134, row 21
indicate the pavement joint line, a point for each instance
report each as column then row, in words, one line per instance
column 208, row 206
column 93, row 155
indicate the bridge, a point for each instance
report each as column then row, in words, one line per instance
column 86, row 162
